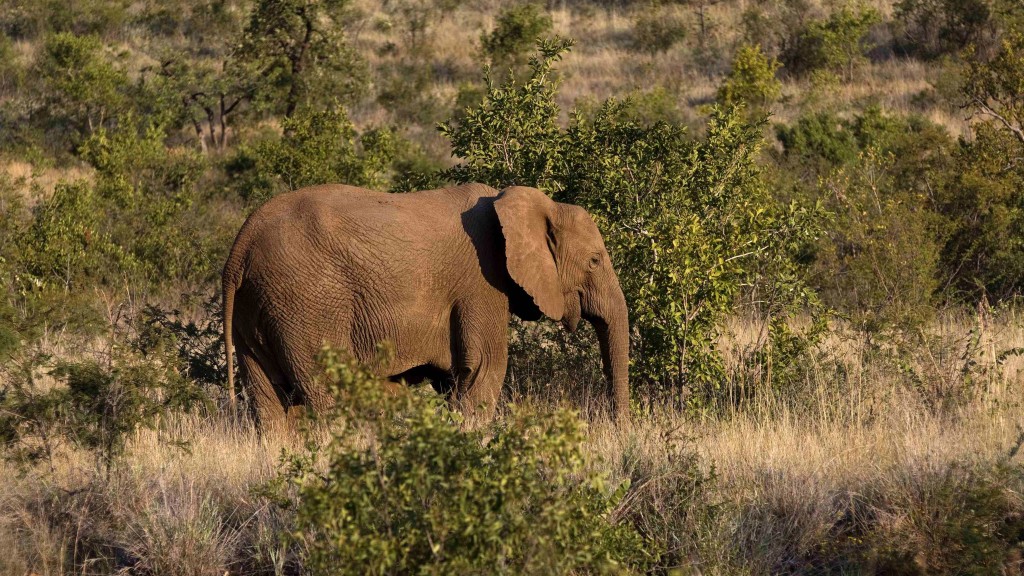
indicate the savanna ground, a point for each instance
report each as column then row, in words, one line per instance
column 827, row 333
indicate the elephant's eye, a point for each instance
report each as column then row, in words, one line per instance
column 595, row 261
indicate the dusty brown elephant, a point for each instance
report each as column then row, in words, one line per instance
column 436, row 274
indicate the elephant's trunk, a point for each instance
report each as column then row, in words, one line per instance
column 612, row 327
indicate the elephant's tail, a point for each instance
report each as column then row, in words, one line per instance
column 229, row 347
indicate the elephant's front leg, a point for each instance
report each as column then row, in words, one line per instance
column 481, row 358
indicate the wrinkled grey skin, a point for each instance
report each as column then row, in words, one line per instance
column 435, row 274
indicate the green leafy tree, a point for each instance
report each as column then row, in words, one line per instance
column 98, row 406
column 751, row 81
column 516, row 31
column 83, row 90
column 835, row 45
column 298, row 50
column 405, row 488
column 879, row 262
column 994, row 89
column 65, row 245
column 513, row 136
column 149, row 203
column 205, row 96
column 689, row 224
column 657, row 30
column 983, row 200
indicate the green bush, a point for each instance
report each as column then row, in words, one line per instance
column 817, row 142
column 152, row 206
column 835, row 45
column 317, row 148
column 879, row 175
column 751, row 81
column 512, row 136
column 879, row 262
column 656, row 31
column 983, row 199
column 83, row 90
column 97, row 405
column 400, row 486
column 933, row 28
column 517, row 29
column 66, row 246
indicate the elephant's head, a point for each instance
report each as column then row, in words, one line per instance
column 555, row 253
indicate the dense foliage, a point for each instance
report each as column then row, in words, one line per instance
column 400, row 487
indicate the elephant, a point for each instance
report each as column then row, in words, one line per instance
column 436, row 274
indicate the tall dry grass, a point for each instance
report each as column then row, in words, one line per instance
column 805, row 477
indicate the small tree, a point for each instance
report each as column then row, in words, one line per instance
column 655, row 30
column 835, row 45
column 299, row 51
column 751, row 81
column 995, row 89
column 317, row 147
column 516, row 31
column 513, row 136
column 932, row 28
column 878, row 263
column 84, row 91
column 97, row 407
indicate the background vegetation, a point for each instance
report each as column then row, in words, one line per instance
column 816, row 210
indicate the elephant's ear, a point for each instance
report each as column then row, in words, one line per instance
column 525, row 216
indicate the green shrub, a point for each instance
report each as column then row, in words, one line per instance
column 150, row 204
column 512, row 136
column 751, row 81
column 65, row 245
column 517, row 29
column 835, row 45
column 818, row 141
column 879, row 263
column 657, row 30
column 878, row 174
column 401, row 486
column 982, row 198
column 96, row 406
column 643, row 106
column 317, row 148
column 994, row 88
column 83, row 89
column 933, row 28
